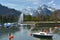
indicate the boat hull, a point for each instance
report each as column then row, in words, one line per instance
column 42, row 36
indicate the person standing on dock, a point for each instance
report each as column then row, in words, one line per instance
column 55, row 29
column 50, row 30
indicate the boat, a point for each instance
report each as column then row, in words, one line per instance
column 42, row 35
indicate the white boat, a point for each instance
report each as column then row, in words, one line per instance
column 42, row 35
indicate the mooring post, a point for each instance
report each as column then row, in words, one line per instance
column 9, row 35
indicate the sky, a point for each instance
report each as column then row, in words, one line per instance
column 22, row 4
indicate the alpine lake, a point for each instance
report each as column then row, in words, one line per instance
column 23, row 33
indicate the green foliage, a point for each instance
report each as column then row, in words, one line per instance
column 55, row 16
column 4, row 19
column 27, row 18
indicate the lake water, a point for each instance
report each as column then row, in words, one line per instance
column 24, row 34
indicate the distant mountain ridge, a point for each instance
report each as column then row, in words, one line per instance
column 8, row 11
column 41, row 10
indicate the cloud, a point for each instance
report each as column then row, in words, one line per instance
column 54, row 4
column 35, row 3
column 31, row 0
column 9, row 4
column 24, row 1
column 19, row 3
column 51, row 2
column 28, row 7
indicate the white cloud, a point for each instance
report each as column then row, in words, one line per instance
column 31, row 0
column 54, row 4
column 23, row 0
column 51, row 2
column 35, row 2
column 9, row 4
column 19, row 3
column 28, row 7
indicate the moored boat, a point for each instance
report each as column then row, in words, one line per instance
column 42, row 35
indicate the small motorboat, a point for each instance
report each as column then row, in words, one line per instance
column 42, row 35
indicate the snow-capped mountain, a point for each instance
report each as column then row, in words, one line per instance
column 41, row 10
column 44, row 9
column 28, row 11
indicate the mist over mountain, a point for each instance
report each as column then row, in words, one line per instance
column 8, row 11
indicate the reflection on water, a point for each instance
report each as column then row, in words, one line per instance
column 46, row 39
column 24, row 34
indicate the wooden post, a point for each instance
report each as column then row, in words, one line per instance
column 9, row 35
column 9, row 38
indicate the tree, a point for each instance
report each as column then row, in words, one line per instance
column 55, row 15
column 27, row 17
column 47, row 17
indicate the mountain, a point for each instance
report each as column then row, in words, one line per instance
column 8, row 11
column 28, row 11
column 41, row 10
column 44, row 9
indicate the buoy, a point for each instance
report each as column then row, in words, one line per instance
column 10, row 37
column 31, row 34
